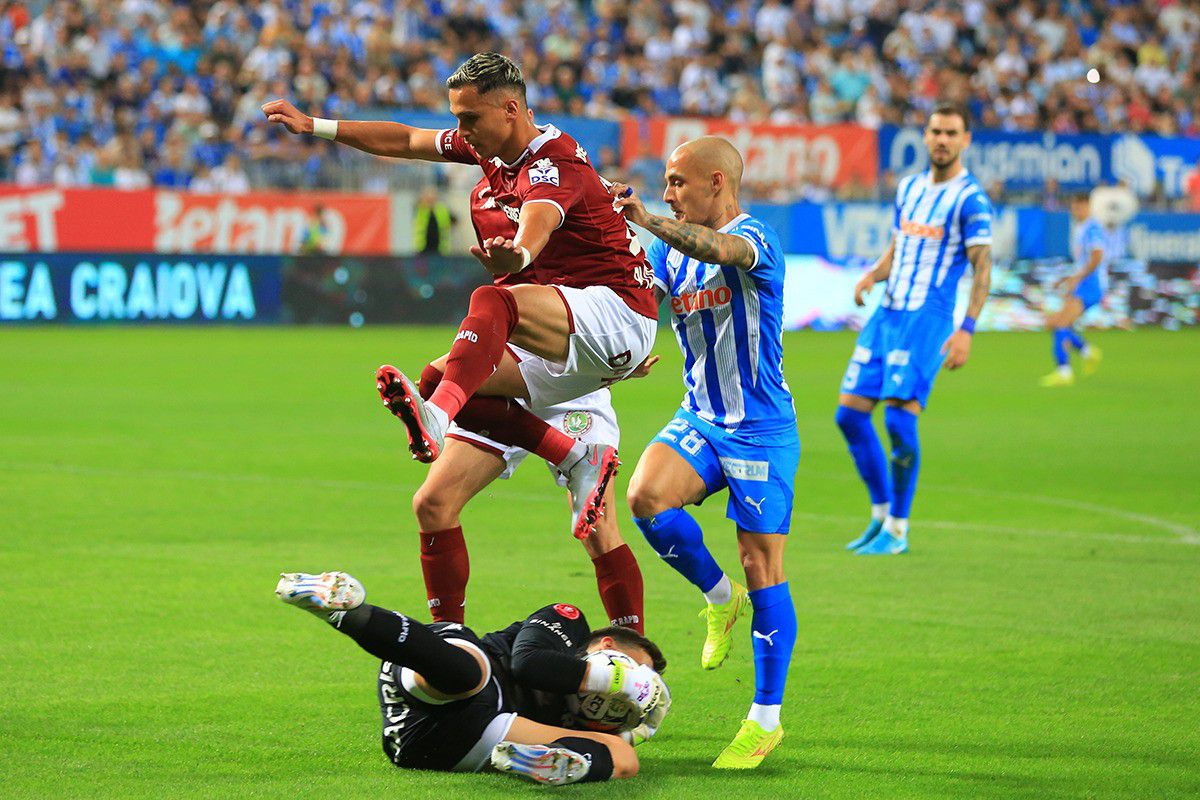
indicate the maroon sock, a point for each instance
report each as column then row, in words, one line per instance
column 505, row 421
column 477, row 348
column 446, row 568
column 620, row 582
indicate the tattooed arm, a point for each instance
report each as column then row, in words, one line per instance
column 696, row 241
column 958, row 346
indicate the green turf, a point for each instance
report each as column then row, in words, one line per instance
column 1041, row 640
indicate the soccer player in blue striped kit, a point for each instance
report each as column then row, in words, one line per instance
column 943, row 222
column 1082, row 289
column 723, row 273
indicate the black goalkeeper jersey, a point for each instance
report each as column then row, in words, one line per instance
column 537, row 661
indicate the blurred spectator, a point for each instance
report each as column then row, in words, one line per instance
column 432, row 224
column 178, row 85
column 316, row 232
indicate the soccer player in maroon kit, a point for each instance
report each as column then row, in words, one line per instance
column 472, row 460
column 590, row 319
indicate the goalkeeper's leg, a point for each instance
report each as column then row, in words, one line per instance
column 449, row 670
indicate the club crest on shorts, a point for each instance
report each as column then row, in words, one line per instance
column 621, row 360
column 577, row 423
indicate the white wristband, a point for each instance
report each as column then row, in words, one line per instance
column 324, row 128
column 525, row 257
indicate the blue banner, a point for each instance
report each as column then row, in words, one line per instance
column 1024, row 161
column 139, row 288
column 593, row 134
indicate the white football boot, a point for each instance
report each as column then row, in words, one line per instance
column 587, row 481
column 553, row 766
column 321, row 594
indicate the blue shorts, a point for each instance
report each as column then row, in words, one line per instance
column 898, row 354
column 1089, row 291
column 760, row 471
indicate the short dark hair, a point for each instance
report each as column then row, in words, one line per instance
column 631, row 638
column 949, row 109
column 487, row 72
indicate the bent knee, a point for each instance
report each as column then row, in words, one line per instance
column 625, row 760
column 646, row 501
column 434, row 509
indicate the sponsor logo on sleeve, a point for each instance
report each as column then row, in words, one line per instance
column 543, row 171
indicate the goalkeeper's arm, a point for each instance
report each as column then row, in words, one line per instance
column 381, row 138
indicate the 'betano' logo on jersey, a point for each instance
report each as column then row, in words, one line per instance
column 922, row 230
column 704, row 298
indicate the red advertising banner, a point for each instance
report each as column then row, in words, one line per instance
column 838, row 154
column 49, row 220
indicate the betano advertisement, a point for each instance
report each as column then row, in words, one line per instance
column 840, row 154
column 51, row 220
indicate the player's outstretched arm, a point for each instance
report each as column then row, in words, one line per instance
column 381, row 138
column 696, row 241
column 958, row 347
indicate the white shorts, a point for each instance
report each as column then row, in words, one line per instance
column 608, row 340
column 590, row 419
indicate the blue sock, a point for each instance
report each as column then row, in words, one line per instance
column 1061, row 336
column 677, row 539
column 774, row 632
column 906, row 458
column 866, row 450
column 1075, row 339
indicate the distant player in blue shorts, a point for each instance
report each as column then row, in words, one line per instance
column 943, row 221
column 722, row 271
column 1081, row 290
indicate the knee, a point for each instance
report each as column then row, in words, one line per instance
column 761, row 566
column 434, row 509
column 646, row 500
column 625, row 760
column 848, row 419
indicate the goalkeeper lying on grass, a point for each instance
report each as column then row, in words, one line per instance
column 455, row 701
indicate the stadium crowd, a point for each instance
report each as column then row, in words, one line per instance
column 135, row 93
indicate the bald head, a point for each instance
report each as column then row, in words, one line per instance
column 712, row 154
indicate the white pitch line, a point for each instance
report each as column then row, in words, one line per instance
column 1184, row 534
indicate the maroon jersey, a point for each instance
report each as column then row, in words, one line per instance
column 490, row 221
column 593, row 246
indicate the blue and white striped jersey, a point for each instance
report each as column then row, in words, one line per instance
column 934, row 225
column 1087, row 236
column 729, row 324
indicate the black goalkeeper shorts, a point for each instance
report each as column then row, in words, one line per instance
column 421, row 733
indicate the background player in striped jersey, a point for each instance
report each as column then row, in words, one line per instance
column 723, row 272
column 1081, row 290
column 943, row 221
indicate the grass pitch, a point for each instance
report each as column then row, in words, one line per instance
column 1041, row 640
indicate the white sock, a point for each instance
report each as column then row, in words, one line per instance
column 766, row 716
column 1086, row 350
column 1065, row 370
column 439, row 416
column 896, row 526
column 879, row 511
column 574, row 456
column 721, row 593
